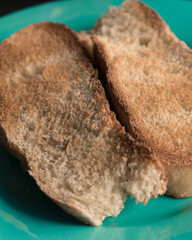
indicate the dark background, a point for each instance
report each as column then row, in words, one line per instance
column 8, row 6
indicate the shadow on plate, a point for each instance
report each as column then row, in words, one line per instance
column 21, row 192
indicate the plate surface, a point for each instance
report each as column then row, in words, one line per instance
column 26, row 213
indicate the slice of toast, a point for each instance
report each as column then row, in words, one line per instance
column 55, row 119
column 148, row 73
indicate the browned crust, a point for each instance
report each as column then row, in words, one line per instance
column 125, row 113
column 66, row 204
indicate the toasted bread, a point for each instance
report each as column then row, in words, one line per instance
column 54, row 117
column 148, row 73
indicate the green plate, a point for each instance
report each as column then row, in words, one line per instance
column 26, row 213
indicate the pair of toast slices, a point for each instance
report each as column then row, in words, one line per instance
column 55, row 118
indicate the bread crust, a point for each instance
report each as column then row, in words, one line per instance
column 125, row 112
column 5, row 112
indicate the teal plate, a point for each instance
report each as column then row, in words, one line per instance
column 26, row 213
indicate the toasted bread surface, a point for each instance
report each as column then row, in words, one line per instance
column 148, row 74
